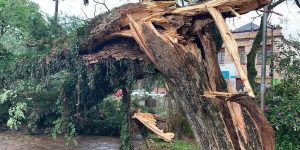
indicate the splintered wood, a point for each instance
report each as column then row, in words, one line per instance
column 214, row 94
column 171, row 21
column 149, row 121
column 231, row 46
column 223, row 5
column 209, row 6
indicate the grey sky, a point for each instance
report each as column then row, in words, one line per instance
column 290, row 21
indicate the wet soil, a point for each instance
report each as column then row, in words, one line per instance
column 12, row 140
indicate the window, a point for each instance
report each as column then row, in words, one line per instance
column 269, row 55
column 242, row 54
column 221, row 56
column 239, row 85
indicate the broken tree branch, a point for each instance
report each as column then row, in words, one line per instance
column 222, row 5
column 103, row 4
column 271, row 11
column 231, row 46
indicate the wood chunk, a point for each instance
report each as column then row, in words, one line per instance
column 150, row 122
column 238, row 120
column 213, row 94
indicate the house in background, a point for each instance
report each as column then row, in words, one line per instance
column 245, row 36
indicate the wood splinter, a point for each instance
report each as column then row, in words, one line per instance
column 231, row 46
column 235, row 13
column 214, row 94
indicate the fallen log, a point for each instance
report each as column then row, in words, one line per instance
column 179, row 43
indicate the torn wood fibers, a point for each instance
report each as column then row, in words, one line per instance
column 150, row 122
column 178, row 41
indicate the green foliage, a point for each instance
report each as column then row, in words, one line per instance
column 5, row 105
column 16, row 111
column 289, row 62
column 125, row 137
column 5, row 57
column 103, row 119
column 36, row 78
column 17, row 115
column 53, row 89
column 18, row 14
column 5, row 95
column 175, row 145
column 135, row 104
column 21, row 24
column 34, row 99
column 110, row 116
column 284, row 110
column 283, row 100
column 65, row 124
column 64, row 127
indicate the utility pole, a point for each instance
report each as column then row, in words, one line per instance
column 263, row 64
column 272, row 55
column 56, row 11
column 55, row 31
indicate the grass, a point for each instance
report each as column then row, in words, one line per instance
column 175, row 145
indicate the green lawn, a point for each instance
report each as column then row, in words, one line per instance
column 175, row 145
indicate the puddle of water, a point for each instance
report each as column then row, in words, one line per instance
column 11, row 140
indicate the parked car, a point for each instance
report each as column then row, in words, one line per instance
column 157, row 94
column 139, row 92
column 119, row 93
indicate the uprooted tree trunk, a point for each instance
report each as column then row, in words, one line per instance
column 180, row 45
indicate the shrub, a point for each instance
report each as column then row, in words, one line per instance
column 283, row 100
column 283, row 113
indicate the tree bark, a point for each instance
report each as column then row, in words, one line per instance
column 181, row 47
column 216, row 123
column 251, row 57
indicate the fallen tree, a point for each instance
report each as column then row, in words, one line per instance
column 178, row 42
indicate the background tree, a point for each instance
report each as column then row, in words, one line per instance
column 297, row 3
column 283, row 100
column 27, row 37
column 251, row 57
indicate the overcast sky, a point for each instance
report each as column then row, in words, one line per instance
column 290, row 21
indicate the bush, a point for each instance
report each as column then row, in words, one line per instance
column 103, row 119
column 283, row 100
column 283, row 112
